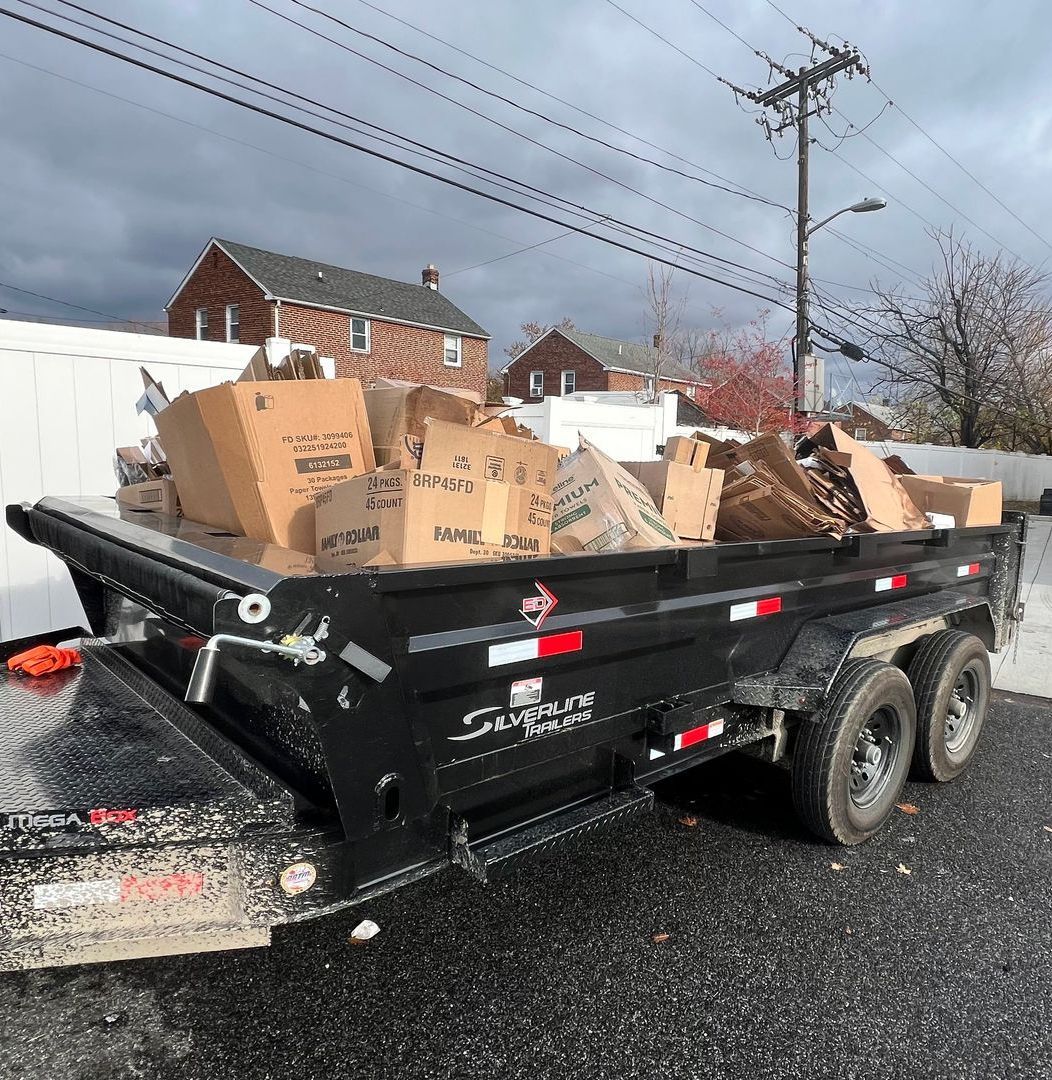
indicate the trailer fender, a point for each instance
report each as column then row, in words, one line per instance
column 802, row 682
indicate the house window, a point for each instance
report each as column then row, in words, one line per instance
column 360, row 335
column 452, row 351
column 201, row 323
column 860, row 433
column 233, row 322
column 536, row 384
column 569, row 382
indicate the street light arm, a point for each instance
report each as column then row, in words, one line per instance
column 826, row 221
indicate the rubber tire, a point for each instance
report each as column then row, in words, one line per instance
column 825, row 747
column 934, row 670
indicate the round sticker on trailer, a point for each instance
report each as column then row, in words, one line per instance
column 298, row 877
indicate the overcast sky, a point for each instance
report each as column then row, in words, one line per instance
column 106, row 204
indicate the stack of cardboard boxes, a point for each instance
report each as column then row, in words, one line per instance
column 404, row 474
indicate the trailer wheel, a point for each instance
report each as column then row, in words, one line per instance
column 950, row 673
column 851, row 759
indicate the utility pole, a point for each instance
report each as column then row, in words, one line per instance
column 803, row 94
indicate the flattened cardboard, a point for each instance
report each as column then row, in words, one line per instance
column 506, row 425
column 397, row 415
column 600, row 506
column 488, row 455
column 250, row 457
column 887, row 504
column 158, row 496
column 688, row 498
column 457, row 391
column 770, row 451
column 968, row 501
column 400, row 516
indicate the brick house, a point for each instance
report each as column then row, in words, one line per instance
column 373, row 327
column 875, row 423
column 564, row 362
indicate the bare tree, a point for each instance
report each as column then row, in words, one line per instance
column 531, row 331
column 662, row 325
column 968, row 343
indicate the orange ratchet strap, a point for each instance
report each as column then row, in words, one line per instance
column 43, row 660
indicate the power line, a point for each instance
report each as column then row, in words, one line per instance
column 661, row 37
column 513, row 131
column 66, row 303
column 938, row 145
column 509, row 101
column 300, row 163
column 509, row 254
column 927, row 187
column 742, row 188
column 424, row 150
column 380, row 155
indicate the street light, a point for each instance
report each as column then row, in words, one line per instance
column 864, row 206
column 810, row 389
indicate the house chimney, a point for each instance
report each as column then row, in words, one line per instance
column 657, row 341
column 429, row 277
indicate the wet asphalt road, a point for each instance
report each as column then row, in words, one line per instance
column 776, row 965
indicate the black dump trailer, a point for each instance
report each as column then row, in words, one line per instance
column 248, row 742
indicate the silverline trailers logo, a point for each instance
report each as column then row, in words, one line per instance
column 536, row 720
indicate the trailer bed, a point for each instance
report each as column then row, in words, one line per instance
column 123, row 818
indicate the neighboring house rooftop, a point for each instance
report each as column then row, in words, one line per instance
column 617, row 355
column 884, row 413
column 627, row 356
column 317, row 284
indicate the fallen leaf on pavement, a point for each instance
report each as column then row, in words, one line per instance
column 908, row 808
column 902, row 869
column 658, row 938
column 689, row 820
column 836, row 866
column 363, row 932
column 848, row 930
column 1047, row 828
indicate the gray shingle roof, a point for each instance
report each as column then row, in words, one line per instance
column 290, row 278
column 626, row 355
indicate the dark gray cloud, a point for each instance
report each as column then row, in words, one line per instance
column 107, row 203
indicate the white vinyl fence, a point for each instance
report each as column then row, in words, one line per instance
column 1023, row 476
column 67, row 398
column 626, row 432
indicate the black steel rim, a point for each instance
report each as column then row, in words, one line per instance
column 874, row 758
column 961, row 711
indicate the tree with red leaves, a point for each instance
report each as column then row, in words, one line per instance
column 750, row 382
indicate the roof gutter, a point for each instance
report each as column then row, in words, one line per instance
column 381, row 317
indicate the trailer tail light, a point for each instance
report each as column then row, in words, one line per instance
column 698, row 734
column 768, row 606
column 899, row 581
column 967, row 571
column 511, row 652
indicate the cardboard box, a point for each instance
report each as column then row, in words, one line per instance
column 400, row 516
column 600, row 506
column 884, row 498
column 488, row 455
column 968, row 501
column 688, row 498
column 249, row 457
column 397, row 418
column 159, row 496
column 686, row 451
